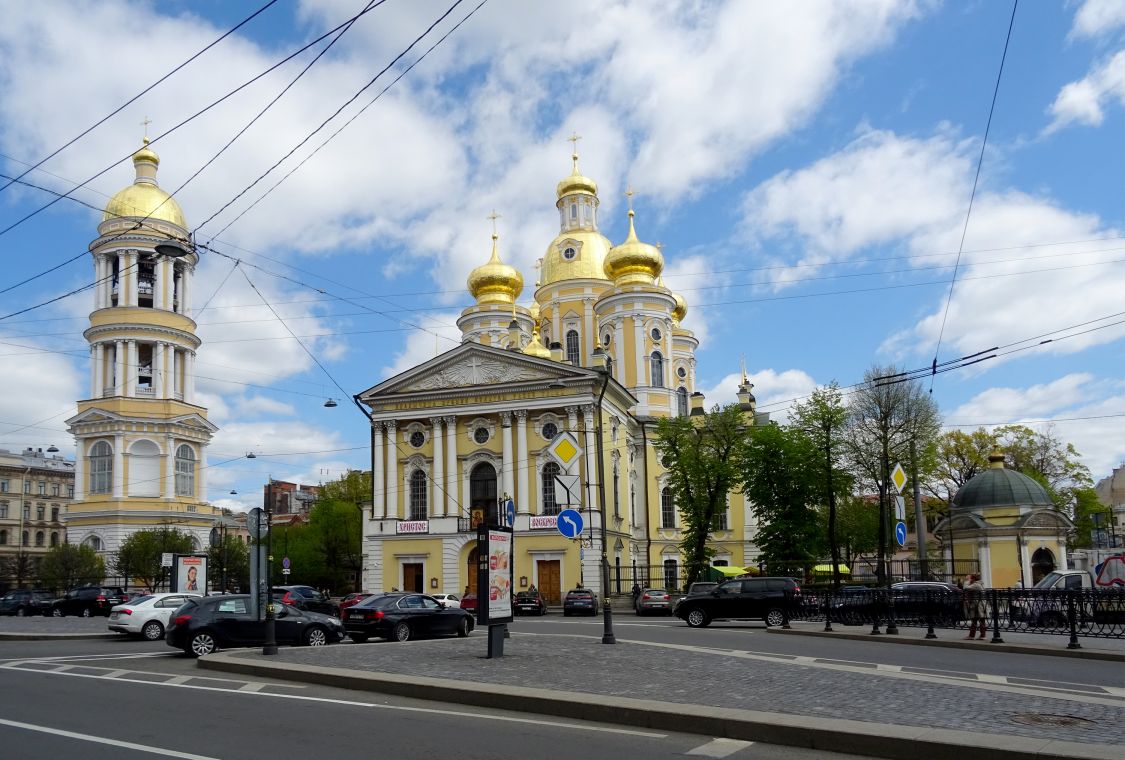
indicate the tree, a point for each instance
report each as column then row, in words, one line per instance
column 1087, row 509
column 336, row 531
column 702, row 455
column 1043, row 456
column 233, row 554
column 858, row 527
column 959, row 457
column 353, row 488
column 822, row 419
column 20, row 567
column 66, row 566
column 885, row 417
column 140, row 554
column 776, row 480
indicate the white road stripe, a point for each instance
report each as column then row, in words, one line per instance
column 250, row 687
column 102, row 740
column 719, row 748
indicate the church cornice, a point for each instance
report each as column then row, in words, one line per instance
column 92, row 334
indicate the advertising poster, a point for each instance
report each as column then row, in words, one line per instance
column 190, row 574
column 499, row 575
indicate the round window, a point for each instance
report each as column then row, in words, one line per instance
column 569, row 253
column 417, row 438
column 605, row 339
column 656, row 335
column 550, row 430
column 480, row 435
column 681, row 372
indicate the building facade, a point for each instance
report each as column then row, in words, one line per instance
column 36, row 489
column 141, row 437
column 596, row 358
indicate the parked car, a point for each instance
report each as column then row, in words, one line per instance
column 765, row 599
column 353, row 598
column 146, row 616
column 701, row 587
column 529, row 603
column 203, row 624
column 580, row 601
column 449, row 600
column 87, row 601
column 305, row 598
column 469, row 603
column 653, row 600
column 23, row 601
column 915, row 601
column 404, row 616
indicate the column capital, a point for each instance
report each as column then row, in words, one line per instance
column 521, row 415
column 450, row 419
column 390, row 425
column 436, row 422
column 588, row 413
column 571, row 410
column 506, row 418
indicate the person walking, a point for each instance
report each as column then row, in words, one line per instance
column 976, row 610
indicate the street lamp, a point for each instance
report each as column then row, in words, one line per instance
column 270, row 645
column 601, row 366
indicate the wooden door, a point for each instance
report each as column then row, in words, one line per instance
column 471, row 571
column 550, row 585
column 412, row 577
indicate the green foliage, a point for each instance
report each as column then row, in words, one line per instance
column 1086, row 506
column 776, row 479
column 235, row 556
column 354, row 488
column 857, row 527
column 702, row 455
column 959, row 457
column 1043, row 456
column 20, row 567
column 67, row 565
column 138, row 559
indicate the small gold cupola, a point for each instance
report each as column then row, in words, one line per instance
column 495, row 282
column 680, row 311
column 633, row 262
column 144, row 198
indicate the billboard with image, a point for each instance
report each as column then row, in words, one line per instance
column 189, row 573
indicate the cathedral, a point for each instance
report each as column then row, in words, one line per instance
column 551, row 405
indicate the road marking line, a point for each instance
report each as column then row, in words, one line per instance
column 719, row 748
column 354, row 703
column 115, row 673
column 101, row 740
column 888, row 668
column 177, row 679
column 989, row 678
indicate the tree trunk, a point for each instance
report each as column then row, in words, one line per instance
column 832, row 545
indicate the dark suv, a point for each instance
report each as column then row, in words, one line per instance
column 305, row 598
column 87, row 601
column 764, row 599
column 24, row 601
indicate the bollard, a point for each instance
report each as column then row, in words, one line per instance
column 1072, row 618
column 786, row 601
column 892, row 626
column 996, row 619
column 827, row 607
column 930, row 616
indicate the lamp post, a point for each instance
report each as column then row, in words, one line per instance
column 601, row 366
column 270, row 645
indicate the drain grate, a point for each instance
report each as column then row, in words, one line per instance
column 1048, row 719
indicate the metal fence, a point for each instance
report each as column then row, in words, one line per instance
column 1076, row 612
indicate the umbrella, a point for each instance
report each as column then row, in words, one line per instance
column 828, row 568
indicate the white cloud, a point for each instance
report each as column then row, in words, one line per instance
column 1084, row 101
column 441, row 335
column 691, row 273
column 261, row 405
column 773, row 390
column 1082, row 395
column 1097, row 17
column 37, row 392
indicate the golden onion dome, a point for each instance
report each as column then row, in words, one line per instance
column 576, row 182
column 576, row 254
column 536, row 347
column 633, row 262
column 495, row 282
column 680, row 311
column 144, row 198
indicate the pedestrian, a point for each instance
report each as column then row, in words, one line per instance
column 976, row 610
column 636, row 592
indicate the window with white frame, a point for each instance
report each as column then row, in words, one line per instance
column 573, row 353
column 550, row 506
column 682, row 402
column 616, row 492
column 418, row 495
column 657, row 368
column 101, row 468
column 667, row 509
column 185, row 471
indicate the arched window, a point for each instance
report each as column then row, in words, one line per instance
column 3, row 537
column 671, row 574
column 681, row 402
column 40, row 538
column 26, row 538
column 550, row 506
column 667, row 509
column 144, row 469
column 657, row 370
column 185, row 471
column 93, row 542
column 54, row 539
column 101, row 468
column 616, row 495
column 573, row 355
column 417, row 495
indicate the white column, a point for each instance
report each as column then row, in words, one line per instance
column 523, row 464
column 985, row 557
column 119, row 368
column 588, row 329
column 393, row 485
column 378, row 492
column 159, row 283
column 131, row 369
column 174, row 384
column 438, row 443
column 158, row 371
column 619, row 350
column 556, row 328
column 169, row 468
column 201, row 474
column 189, row 377
column 589, row 456
column 639, row 356
column 451, row 468
column 80, row 470
column 509, row 485
column 185, row 291
column 165, row 293
column 99, row 369
column 99, row 287
column 94, row 370
column 118, row 466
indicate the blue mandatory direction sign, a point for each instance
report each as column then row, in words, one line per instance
column 510, row 510
column 570, row 523
column 900, row 533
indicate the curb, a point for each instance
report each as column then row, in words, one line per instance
column 828, row 734
column 1081, row 654
column 32, row 636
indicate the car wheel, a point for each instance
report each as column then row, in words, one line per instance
column 463, row 627
column 566, row 613
column 316, row 637
column 359, row 638
column 21, row 612
column 697, row 618
column 1052, row 620
column 86, row 612
column 153, row 630
column 543, row 611
column 201, row 643
column 401, row 632
column 774, row 617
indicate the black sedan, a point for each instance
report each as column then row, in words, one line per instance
column 529, row 603
column 401, row 617
column 580, row 601
column 205, row 624
column 21, row 602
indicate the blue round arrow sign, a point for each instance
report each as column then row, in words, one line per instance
column 570, row 523
column 900, row 533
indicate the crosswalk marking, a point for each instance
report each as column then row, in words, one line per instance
column 719, row 748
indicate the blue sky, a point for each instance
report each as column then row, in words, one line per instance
column 807, row 168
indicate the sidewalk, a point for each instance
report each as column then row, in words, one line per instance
column 781, row 699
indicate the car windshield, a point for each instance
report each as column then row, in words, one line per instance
column 383, row 600
column 656, row 592
column 1049, row 580
column 580, row 594
column 530, row 595
column 142, row 599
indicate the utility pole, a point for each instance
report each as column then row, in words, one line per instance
column 270, row 646
column 919, row 516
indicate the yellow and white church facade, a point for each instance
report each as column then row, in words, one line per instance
column 455, row 436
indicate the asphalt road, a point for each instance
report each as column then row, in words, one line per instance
column 121, row 698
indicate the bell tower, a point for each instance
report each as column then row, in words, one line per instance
column 141, row 438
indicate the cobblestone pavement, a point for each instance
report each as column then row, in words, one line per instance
column 723, row 678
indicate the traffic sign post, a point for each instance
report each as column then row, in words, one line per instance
column 568, row 492
column 570, row 523
column 510, row 511
column 900, row 533
column 900, row 508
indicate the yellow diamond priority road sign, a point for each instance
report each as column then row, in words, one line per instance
column 565, row 450
column 898, row 477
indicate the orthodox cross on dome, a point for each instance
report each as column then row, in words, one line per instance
column 145, row 124
column 742, row 364
column 574, row 138
column 492, row 218
column 629, row 193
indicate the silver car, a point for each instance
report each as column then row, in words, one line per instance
column 146, row 616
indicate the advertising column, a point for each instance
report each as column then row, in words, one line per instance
column 494, row 579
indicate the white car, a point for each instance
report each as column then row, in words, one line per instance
column 452, row 601
column 146, row 616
